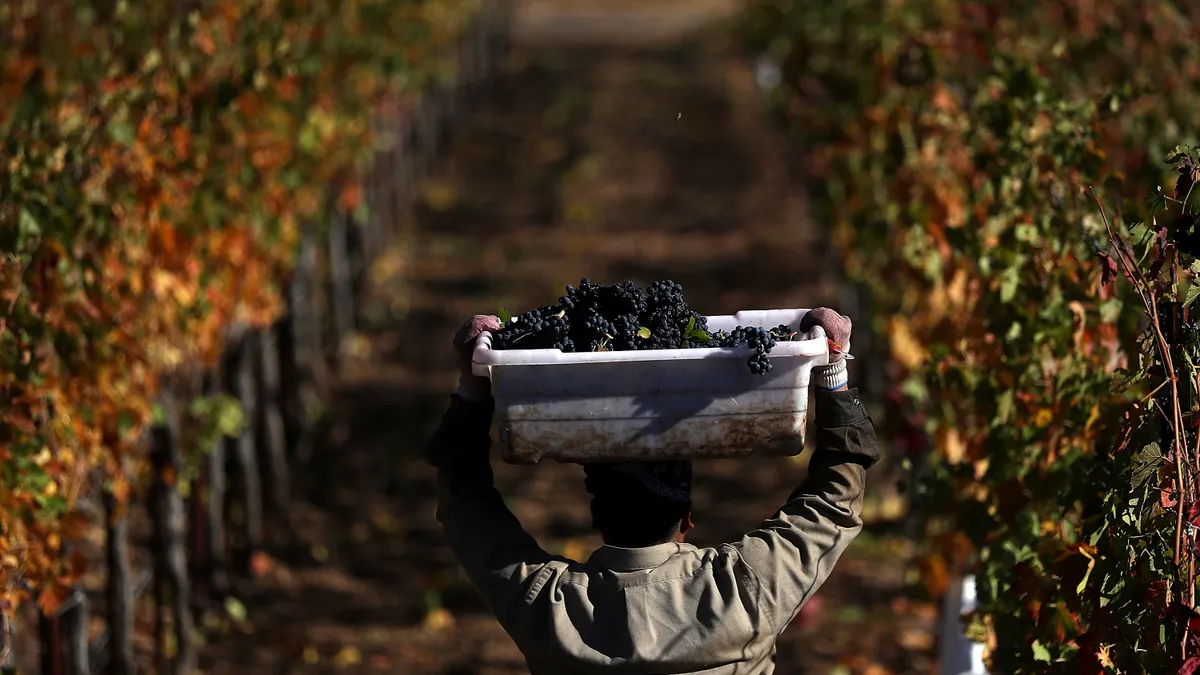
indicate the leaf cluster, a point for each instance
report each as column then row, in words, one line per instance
column 157, row 161
column 955, row 146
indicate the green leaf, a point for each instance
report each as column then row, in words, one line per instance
column 1086, row 575
column 643, row 332
column 700, row 336
column 504, row 317
column 1009, row 283
column 121, row 132
column 53, row 506
column 28, row 225
column 235, row 608
column 1005, row 402
column 1040, row 653
column 1148, row 461
column 1191, row 293
column 1110, row 309
column 691, row 325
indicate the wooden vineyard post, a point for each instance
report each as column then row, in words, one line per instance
column 75, row 625
column 270, row 421
column 341, row 280
column 172, row 585
column 119, row 589
column 239, row 380
column 212, row 558
column 50, row 643
column 303, row 371
column 370, row 226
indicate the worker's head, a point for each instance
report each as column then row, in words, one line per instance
column 637, row 504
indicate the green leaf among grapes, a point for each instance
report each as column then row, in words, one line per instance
column 693, row 333
column 504, row 316
column 643, row 333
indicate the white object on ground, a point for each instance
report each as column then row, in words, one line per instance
column 958, row 654
column 653, row 404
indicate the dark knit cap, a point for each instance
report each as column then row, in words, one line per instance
column 666, row 481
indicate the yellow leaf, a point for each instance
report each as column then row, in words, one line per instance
column 905, row 347
column 235, row 608
column 438, row 619
column 574, row 550
column 950, row 445
column 1105, row 657
column 348, row 656
column 311, row 657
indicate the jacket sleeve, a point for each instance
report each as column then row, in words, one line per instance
column 500, row 558
column 791, row 554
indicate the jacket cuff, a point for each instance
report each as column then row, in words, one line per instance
column 828, row 378
column 839, row 409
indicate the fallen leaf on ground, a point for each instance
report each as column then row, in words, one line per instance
column 260, row 565
column 311, row 656
column 235, row 608
column 438, row 619
column 348, row 656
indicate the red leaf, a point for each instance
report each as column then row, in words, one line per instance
column 1158, row 595
column 1109, row 270
column 1058, row 623
column 1183, row 613
column 1156, row 267
column 1166, row 496
column 1191, row 666
column 21, row 421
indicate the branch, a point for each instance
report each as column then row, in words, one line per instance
column 1145, row 290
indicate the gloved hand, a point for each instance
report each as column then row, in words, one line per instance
column 837, row 329
column 471, row 387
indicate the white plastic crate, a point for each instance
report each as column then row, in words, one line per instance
column 653, row 404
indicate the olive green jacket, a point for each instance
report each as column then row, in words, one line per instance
column 671, row 608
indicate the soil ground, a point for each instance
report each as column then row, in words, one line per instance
column 637, row 159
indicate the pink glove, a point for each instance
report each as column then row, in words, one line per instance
column 471, row 387
column 837, row 329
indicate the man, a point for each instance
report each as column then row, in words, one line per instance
column 646, row 602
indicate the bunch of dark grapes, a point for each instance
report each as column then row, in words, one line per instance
column 619, row 317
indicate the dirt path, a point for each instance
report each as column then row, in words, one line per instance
column 630, row 161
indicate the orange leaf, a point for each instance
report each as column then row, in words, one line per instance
column 260, row 564
column 75, row 525
column 350, row 197
column 52, row 597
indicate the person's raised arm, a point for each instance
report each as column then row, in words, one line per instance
column 499, row 556
column 792, row 553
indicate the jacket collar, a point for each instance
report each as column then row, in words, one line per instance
column 620, row 559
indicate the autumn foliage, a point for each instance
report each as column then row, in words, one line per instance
column 158, row 162
column 995, row 174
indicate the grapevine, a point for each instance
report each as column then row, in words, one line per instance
column 956, row 165
column 158, row 166
column 622, row 317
